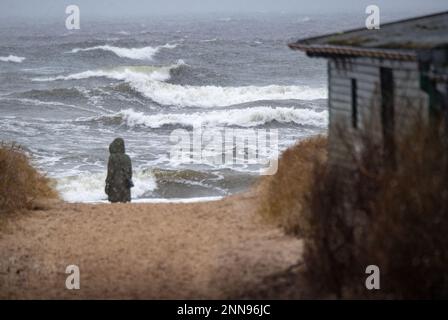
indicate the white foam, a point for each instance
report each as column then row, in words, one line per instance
column 132, row 74
column 145, row 53
column 248, row 117
column 213, row 96
column 12, row 58
column 151, row 82
column 209, row 40
column 89, row 187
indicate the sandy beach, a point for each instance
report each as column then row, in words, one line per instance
column 212, row 250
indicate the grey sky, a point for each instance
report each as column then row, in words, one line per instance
column 107, row 8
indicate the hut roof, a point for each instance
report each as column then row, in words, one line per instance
column 399, row 40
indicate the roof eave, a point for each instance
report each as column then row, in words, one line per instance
column 328, row 51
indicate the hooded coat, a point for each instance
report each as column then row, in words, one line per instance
column 119, row 173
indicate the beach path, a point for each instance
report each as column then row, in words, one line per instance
column 145, row 251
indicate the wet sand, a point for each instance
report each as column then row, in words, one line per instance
column 207, row 250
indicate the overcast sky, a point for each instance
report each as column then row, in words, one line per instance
column 53, row 8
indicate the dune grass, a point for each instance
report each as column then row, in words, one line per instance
column 282, row 195
column 20, row 184
column 392, row 214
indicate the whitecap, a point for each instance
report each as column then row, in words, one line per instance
column 145, row 53
column 151, row 82
column 12, row 58
column 214, row 96
column 248, row 117
column 131, row 74
column 209, row 40
column 89, row 187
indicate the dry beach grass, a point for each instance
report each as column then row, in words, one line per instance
column 21, row 186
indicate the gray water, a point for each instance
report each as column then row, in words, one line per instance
column 75, row 91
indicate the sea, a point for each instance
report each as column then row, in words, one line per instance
column 66, row 94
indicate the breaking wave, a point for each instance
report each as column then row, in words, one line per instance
column 12, row 58
column 132, row 74
column 87, row 187
column 145, row 53
column 249, row 117
column 213, row 96
column 151, row 83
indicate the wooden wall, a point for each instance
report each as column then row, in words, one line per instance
column 410, row 102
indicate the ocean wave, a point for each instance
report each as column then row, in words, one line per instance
column 87, row 187
column 151, row 82
column 44, row 70
column 12, row 58
column 133, row 74
column 37, row 102
column 209, row 40
column 248, row 117
column 148, row 183
column 64, row 93
column 145, row 53
column 213, row 96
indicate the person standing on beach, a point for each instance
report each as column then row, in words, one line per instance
column 119, row 173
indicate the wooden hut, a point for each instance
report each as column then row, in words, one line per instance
column 381, row 80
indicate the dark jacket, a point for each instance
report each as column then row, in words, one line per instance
column 119, row 173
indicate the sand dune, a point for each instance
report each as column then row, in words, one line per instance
column 144, row 251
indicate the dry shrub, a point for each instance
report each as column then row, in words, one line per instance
column 282, row 195
column 393, row 216
column 20, row 183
